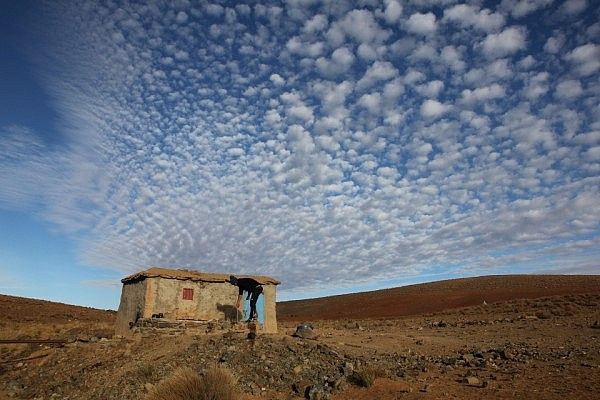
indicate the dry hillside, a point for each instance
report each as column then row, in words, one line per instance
column 436, row 296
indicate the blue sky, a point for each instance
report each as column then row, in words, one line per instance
column 335, row 145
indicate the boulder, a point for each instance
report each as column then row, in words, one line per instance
column 305, row 331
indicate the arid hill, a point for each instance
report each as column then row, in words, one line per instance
column 436, row 296
column 21, row 309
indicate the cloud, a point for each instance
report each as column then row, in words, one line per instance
column 341, row 60
column 568, row 89
column 585, row 58
column 277, row 80
column 507, row 42
column 316, row 23
column 486, row 93
column 378, row 71
column 521, row 8
column 423, row 24
column 393, row 11
column 359, row 25
column 471, row 16
column 574, row 6
column 433, row 108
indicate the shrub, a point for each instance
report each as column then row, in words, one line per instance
column 366, row 375
column 185, row 384
column 144, row 372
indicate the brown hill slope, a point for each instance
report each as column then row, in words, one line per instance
column 22, row 309
column 436, row 296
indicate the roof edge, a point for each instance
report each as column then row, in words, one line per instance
column 192, row 275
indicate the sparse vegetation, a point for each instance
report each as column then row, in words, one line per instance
column 215, row 384
column 145, row 372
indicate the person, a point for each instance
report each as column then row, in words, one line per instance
column 253, row 288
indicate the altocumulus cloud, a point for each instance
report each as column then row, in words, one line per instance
column 324, row 143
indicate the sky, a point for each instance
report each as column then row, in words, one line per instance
column 337, row 146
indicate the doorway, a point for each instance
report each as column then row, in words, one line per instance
column 260, row 309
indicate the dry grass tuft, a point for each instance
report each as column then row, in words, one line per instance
column 366, row 375
column 144, row 372
column 185, row 384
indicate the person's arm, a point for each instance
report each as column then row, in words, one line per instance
column 239, row 301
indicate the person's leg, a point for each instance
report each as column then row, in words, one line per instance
column 253, row 307
column 255, row 294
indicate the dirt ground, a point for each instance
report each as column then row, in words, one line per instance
column 536, row 348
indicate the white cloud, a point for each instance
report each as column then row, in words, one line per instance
column 433, row 108
column 504, row 43
column 537, row 86
column 586, row 59
column 423, row 24
column 430, row 89
column 371, row 101
column 472, row 16
column 277, row 80
column 297, row 46
column 315, row 24
column 341, row 60
column 486, row 93
column 553, row 44
column 182, row 17
column 378, row 71
column 359, row 25
column 521, row 8
column 393, row 11
column 574, row 6
column 452, row 58
column 568, row 89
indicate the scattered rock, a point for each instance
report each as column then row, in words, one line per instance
column 305, row 331
column 471, row 381
column 316, row 392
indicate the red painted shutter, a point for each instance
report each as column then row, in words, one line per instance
column 188, row 294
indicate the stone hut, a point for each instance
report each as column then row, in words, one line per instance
column 177, row 294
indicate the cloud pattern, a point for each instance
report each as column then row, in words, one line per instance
column 322, row 142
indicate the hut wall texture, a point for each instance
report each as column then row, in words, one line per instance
column 270, row 292
column 131, row 306
column 210, row 300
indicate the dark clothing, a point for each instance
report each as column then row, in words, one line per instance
column 247, row 285
column 253, row 289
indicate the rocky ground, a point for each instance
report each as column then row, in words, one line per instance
column 545, row 348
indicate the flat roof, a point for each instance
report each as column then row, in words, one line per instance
column 186, row 274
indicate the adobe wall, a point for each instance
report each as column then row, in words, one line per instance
column 131, row 306
column 210, row 300
column 270, row 293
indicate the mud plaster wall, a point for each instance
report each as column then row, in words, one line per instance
column 131, row 306
column 210, row 300
column 270, row 293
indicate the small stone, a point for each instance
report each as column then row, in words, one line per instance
column 472, row 381
column 305, row 331
column 297, row 369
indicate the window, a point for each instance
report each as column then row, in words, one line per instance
column 188, row 294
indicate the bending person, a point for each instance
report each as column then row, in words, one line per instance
column 250, row 286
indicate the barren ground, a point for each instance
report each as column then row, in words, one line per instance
column 535, row 338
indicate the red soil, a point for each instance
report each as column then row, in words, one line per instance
column 436, row 296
